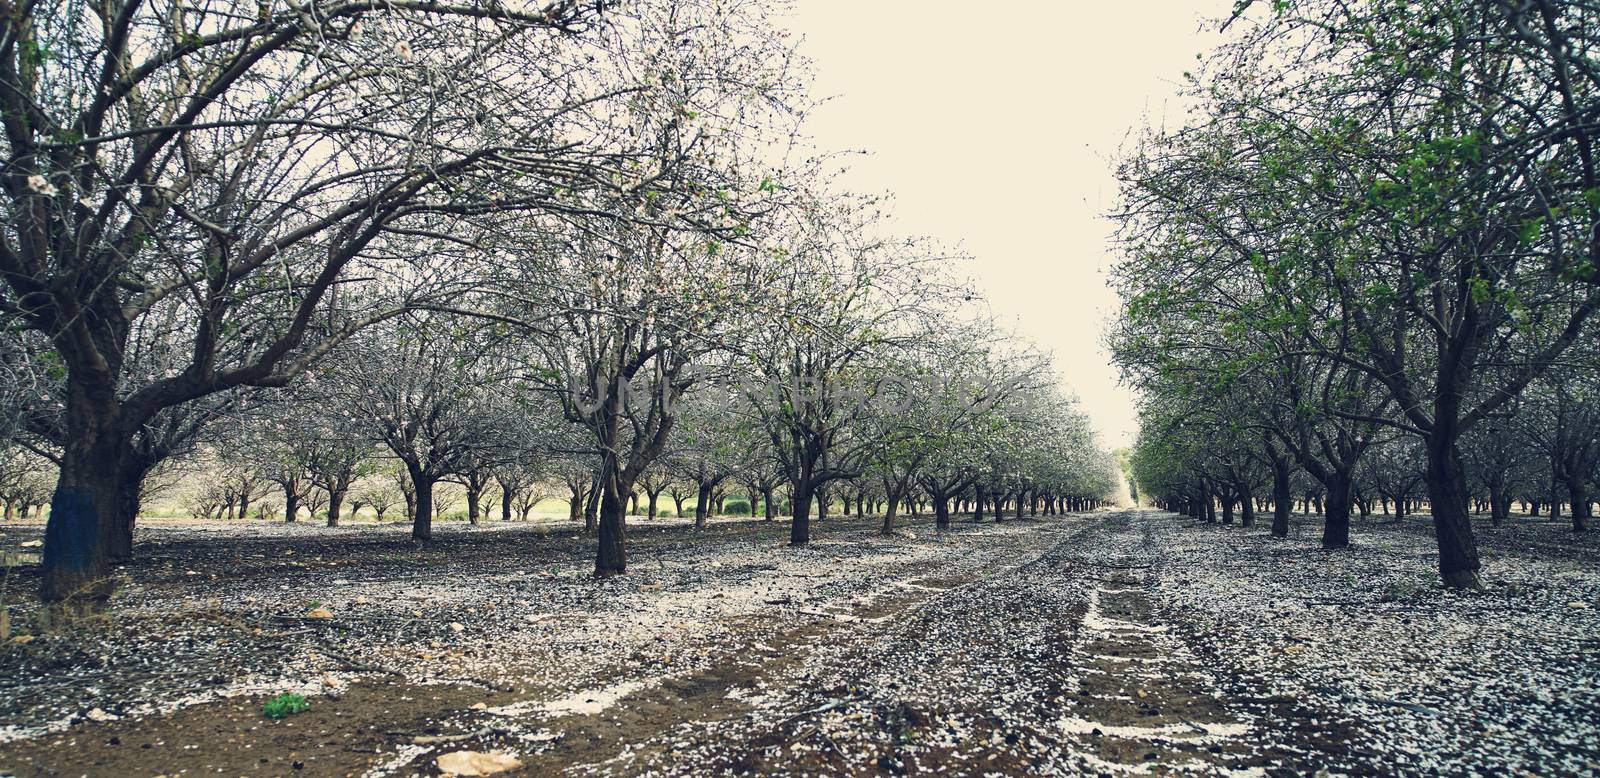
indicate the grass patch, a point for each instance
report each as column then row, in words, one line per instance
column 284, row 705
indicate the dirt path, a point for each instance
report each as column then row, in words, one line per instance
column 1062, row 645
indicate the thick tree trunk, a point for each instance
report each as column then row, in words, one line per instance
column 977, row 508
column 1447, row 491
column 1580, row 503
column 505, row 503
column 422, row 522
column 1336, row 515
column 291, row 505
column 941, row 511
column 335, row 504
column 702, row 506
column 889, row 513
column 652, row 505
column 474, row 500
column 800, row 514
column 89, row 515
column 1499, row 501
column 1227, row 511
column 766, row 505
column 611, row 558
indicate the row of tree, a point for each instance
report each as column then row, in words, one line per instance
column 1365, row 267
column 475, row 238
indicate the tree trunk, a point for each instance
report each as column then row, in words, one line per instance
column 1499, row 501
column 800, row 513
column 590, row 506
column 121, row 542
column 611, row 558
column 1447, row 491
column 766, row 504
column 1336, row 514
column 702, row 506
column 652, row 505
column 291, row 505
column 1580, row 503
column 889, row 513
column 977, row 508
column 505, row 503
column 89, row 517
column 474, row 498
column 422, row 522
column 335, row 503
column 941, row 511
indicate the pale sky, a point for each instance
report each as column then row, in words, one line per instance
column 995, row 127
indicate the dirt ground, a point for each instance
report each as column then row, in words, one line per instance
column 1105, row 643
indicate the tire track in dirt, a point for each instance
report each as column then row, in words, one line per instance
column 1142, row 699
column 656, row 723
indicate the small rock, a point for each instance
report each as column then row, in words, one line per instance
column 476, row 763
column 479, row 706
column 1578, row 605
column 319, row 613
column 32, row 543
column 456, row 626
column 99, row 714
column 362, row 600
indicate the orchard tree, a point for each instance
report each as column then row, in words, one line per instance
column 256, row 179
column 845, row 300
column 437, row 393
column 1407, row 190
